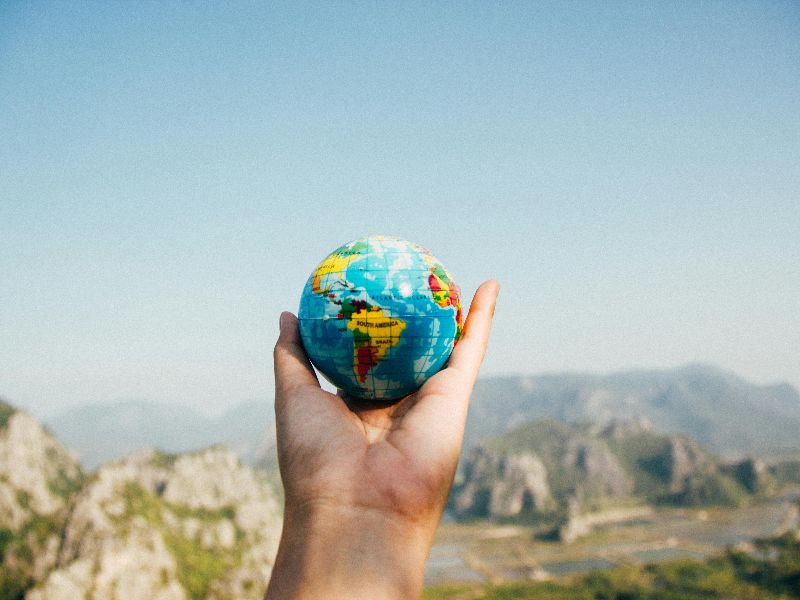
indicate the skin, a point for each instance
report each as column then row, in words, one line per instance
column 366, row 484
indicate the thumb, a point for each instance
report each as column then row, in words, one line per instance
column 292, row 367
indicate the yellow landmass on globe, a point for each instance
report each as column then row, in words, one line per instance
column 374, row 333
column 335, row 263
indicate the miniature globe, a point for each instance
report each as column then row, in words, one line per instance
column 379, row 316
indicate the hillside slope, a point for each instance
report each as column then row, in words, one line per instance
column 38, row 480
column 727, row 414
column 723, row 412
column 148, row 526
column 99, row 433
column 550, row 471
column 173, row 527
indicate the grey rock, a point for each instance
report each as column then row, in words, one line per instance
column 38, row 478
column 158, row 526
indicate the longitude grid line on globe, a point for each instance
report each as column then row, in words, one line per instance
column 418, row 373
column 366, row 260
column 371, row 371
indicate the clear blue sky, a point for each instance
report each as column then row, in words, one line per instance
column 171, row 172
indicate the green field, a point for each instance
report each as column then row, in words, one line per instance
column 770, row 570
column 649, row 553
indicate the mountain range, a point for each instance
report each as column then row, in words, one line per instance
column 725, row 413
column 552, row 472
column 98, row 433
column 189, row 520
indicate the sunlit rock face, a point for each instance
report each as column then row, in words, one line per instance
column 549, row 470
column 501, row 485
column 38, row 479
column 598, row 470
column 157, row 526
column 534, row 469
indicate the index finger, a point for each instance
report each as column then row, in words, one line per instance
column 468, row 353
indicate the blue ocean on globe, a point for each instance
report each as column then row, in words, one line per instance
column 379, row 316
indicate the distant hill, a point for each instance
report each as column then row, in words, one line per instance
column 729, row 415
column 99, row 433
column 547, row 469
column 721, row 410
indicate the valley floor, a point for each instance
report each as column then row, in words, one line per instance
column 490, row 553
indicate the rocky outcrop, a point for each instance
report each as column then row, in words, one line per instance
column 754, row 475
column 595, row 468
column 156, row 526
column 534, row 470
column 548, row 470
column 693, row 477
column 504, row 485
column 149, row 526
column 38, row 479
column 683, row 464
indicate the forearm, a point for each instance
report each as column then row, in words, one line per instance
column 333, row 552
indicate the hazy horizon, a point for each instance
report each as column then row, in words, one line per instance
column 170, row 174
column 233, row 404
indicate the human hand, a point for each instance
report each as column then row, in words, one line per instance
column 366, row 483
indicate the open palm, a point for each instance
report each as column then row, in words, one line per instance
column 397, row 459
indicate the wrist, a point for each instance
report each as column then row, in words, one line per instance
column 335, row 551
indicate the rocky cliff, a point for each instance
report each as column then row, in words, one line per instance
column 547, row 469
column 148, row 526
column 157, row 526
column 38, row 480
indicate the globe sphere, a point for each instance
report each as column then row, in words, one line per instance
column 379, row 316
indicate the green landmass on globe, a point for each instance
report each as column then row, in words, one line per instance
column 379, row 316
